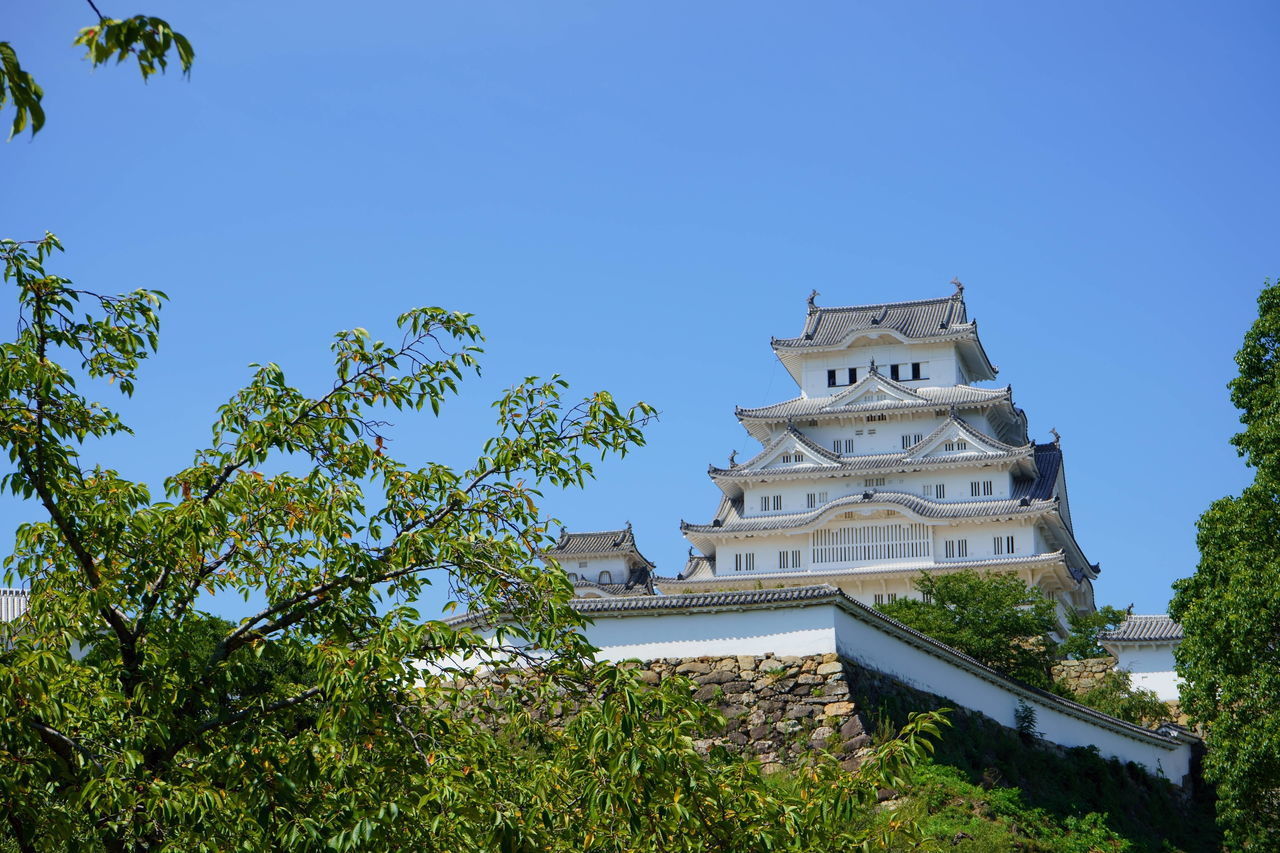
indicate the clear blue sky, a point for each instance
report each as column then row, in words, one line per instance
column 638, row 195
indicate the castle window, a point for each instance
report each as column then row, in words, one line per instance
column 850, row 376
column 1002, row 545
column 911, row 439
column 953, row 548
column 958, row 444
column 926, row 597
column 917, row 369
column 848, row 445
column 879, row 598
column 573, row 576
column 777, row 502
column 893, row 596
column 744, row 562
column 582, row 564
column 864, row 542
column 873, row 481
column 980, row 488
column 788, row 559
column 606, row 577
column 873, row 418
column 937, row 491
column 812, row 499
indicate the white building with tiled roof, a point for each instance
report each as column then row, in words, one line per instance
column 1143, row 646
column 604, row 563
column 891, row 460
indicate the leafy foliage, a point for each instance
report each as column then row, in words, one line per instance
column 995, row 618
column 1230, row 608
column 335, row 717
column 1115, row 694
column 1085, row 628
column 21, row 88
column 147, row 39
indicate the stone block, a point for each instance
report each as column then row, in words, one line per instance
column 851, row 729
column 719, row 676
column 830, row 668
column 838, row 709
column 693, row 667
column 821, row 733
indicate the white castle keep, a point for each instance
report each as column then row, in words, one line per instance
column 892, row 460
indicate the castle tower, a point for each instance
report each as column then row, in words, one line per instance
column 891, row 461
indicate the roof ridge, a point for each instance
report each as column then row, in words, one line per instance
column 902, row 303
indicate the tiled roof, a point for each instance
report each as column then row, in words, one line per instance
column 1144, row 629
column 958, row 395
column 1048, row 461
column 597, row 544
column 923, row 318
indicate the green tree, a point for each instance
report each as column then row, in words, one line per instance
column 147, row 39
column 335, row 717
column 1230, row 608
column 1115, row 694
column 996, row 619
column 1085, row 629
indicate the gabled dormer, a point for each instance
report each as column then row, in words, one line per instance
column 957, row 439
column 786, row 451
column 874, row 388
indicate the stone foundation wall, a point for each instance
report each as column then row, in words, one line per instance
column 1082, row 675
column 776, row 707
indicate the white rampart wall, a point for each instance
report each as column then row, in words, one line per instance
column 826, row 628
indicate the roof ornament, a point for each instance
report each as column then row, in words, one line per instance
column 873, row 366
column 733, row 459
column 1057, row 439
column 959, row 286
column 955, row 412
column 868, row 494
column 813, row 294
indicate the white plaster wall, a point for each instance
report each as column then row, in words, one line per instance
column 789, row 631
column 1151, row 667
column 980, row 538
column 616, row 566
column 795, row 492
column 942, row 370
column 826, row 628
